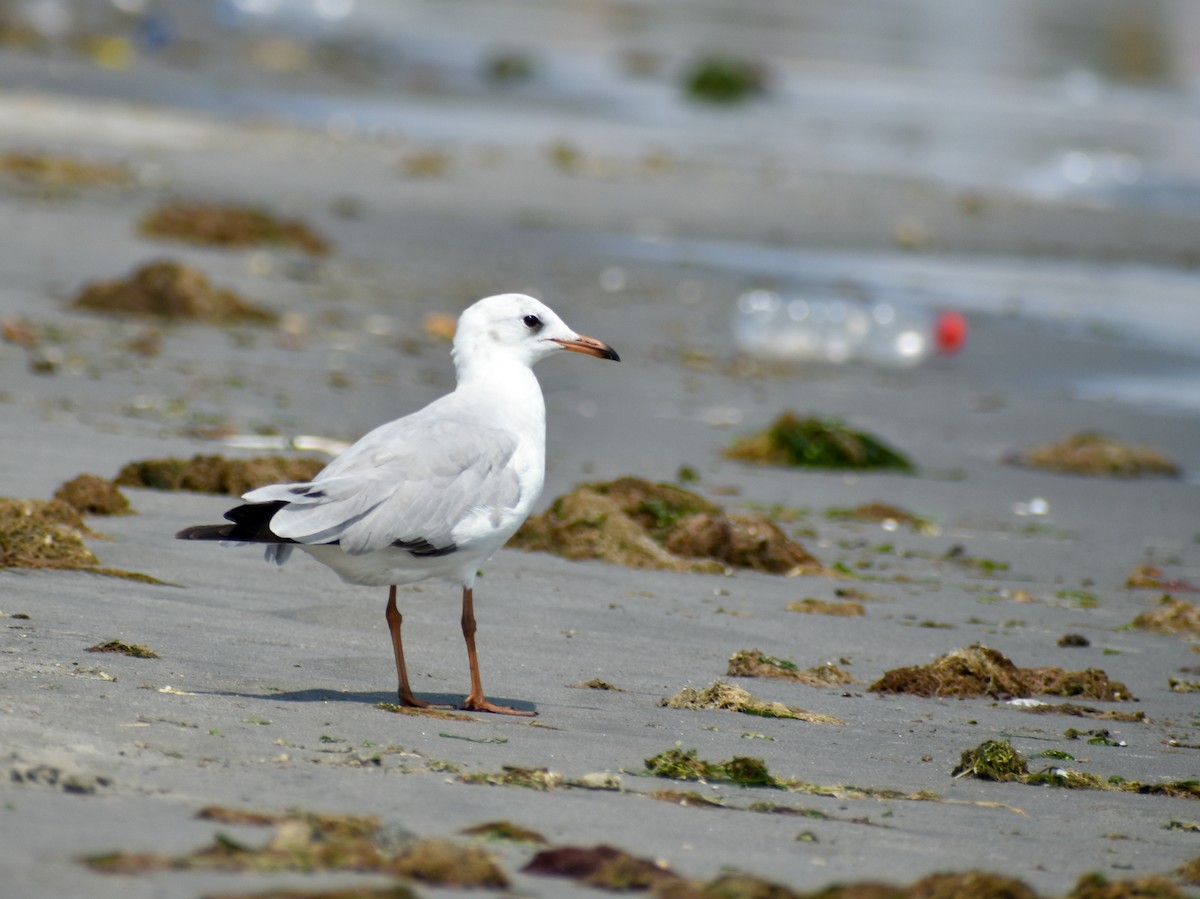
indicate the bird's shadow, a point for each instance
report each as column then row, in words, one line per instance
column 447, row 701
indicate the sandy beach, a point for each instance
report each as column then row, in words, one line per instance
column 265, row 696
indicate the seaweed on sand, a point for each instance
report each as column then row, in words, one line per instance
column 998, row 760
column 641, row 524
column 93, row 495
column 1098, row 455
column 1171, row 616
column 231, row 226
column 684, row 764
column 755, row 663
column 216, row 474
column 815, row 442
column 730, row 697
column 979, row 671
column 37, row 533
column 173, row 291
column 306, row 841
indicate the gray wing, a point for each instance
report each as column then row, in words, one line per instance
column 411, row 481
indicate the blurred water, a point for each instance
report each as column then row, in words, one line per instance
column 1090, row 104
column 1067, row 99
column 1073, row 98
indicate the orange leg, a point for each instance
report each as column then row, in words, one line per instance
column 476, row 702
column 394, row 620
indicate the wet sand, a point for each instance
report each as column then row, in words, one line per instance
column 274, row 676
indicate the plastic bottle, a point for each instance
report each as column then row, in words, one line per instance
column 798, row 328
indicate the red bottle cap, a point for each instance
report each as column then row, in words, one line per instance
column 950, row 332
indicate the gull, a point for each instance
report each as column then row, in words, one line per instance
column 433, row 494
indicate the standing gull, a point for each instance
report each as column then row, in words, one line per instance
column 436, row 493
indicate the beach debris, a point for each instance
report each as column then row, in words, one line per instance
column 755, row 663
column 171, row 290
column 445, row 863
column 21, row 332
column 1189, row 871
column 1172, row 616
column 54, row 770
column 889, row 516
column 38, row 533
column 1082, row 711
column 1149, row 577
column 429, row 163
column 816, row 442
column 94, row 495
column 724, row 80
column 975, row 884
column 979, row 671
column 845, row 608
column 505, row 832
column 59, row 171
column 514, row 776
column 1144, row 577
column 986, row 567
column 998, row 760
column 308, row 841
column 730, row 697
column 597, row 684
column 614, row 869
column 133, row 650
column 217, row 474
column 231, row 226
column 641, row 524
column 1093, row 454
column 992, row 760
column 684, row 764
column 604, row 867
column 397, row 890
column 1150, row 886
column 506, row 67
column 686, row 798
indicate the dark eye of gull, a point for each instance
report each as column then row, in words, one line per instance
column 533, row 323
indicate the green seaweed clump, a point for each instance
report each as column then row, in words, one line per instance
column 174, row 291
column 216, row 474
column 683, row 764
column 992, row 760
column 998, row 760
column 724, row 80
column 816, row 443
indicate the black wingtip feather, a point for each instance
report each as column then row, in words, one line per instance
column 251, row 524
